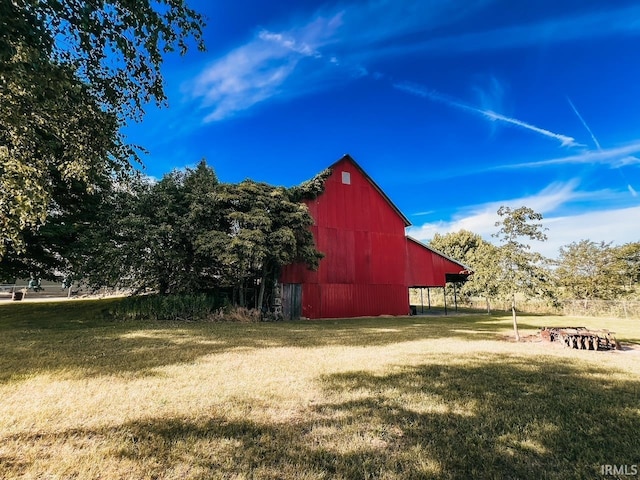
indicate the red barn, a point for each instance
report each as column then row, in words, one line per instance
column 369, row 263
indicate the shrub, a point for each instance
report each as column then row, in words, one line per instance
column 235, row 314
column 187, row 308
column 181, row 308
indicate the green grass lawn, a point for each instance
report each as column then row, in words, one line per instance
column 82, row 396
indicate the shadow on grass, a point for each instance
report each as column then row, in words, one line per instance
column 504, row 418
column 496, row 417
column 78, row 339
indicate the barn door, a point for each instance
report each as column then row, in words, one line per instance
column 291, row 301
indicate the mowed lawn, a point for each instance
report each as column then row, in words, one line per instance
column 82, row 396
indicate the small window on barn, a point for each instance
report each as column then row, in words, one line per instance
column 346, row 178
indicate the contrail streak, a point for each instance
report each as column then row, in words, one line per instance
column 584, row 124
column 564, row 140
column 622, row 162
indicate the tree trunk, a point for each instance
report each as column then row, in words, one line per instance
column 488, row 305
column 241, row 300
column 515, row 317
column 163, row 286
column 263, row 281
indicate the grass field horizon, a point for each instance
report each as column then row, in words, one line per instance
column 83, row 396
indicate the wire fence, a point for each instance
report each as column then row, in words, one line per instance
column 620, row 308
column 424, row 299
column 53, row 290
column 602, row 308
column 577, row 308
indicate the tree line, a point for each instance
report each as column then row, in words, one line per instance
column 71, row 205
column 187, row 233
column 584, row 269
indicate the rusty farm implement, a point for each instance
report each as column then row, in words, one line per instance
column 580, row 338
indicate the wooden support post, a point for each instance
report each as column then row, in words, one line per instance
column 444, row 292
column 422, row 299
column 455, row 295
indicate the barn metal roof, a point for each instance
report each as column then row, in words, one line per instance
column 466, row 270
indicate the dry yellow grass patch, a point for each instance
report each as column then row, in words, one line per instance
column 372, row 398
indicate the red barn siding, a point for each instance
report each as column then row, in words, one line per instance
column 338, row 300
column 369, row 263
column 362, row 257
column 311, row 305
column 357, row 300
column 427, row 268
column 362, row 237
column 388, row 251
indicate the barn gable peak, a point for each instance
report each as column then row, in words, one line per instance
column 349, row 159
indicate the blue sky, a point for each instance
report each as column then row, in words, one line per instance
column 453, row 107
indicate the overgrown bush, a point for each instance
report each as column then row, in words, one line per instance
column 185, row 308
column 167, row 307
column 233, row 313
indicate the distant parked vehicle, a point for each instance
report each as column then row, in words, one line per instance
column 35, row 284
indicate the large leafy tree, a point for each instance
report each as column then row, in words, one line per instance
column 628, row 264
column 267, row 228
column 458, row 245
column 55, row 249
column 115, row 46
column 472, row 250
column 522, row 270
column 588, row 270
column 54, row 139
column 149, row 232
column 71, row 73
column 190, row 233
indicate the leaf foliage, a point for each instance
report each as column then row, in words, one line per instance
column 71, row 74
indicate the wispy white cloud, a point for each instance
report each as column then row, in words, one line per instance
column 490, row 94
column 289, row 43
column 259, row 70
column 607, row 225
column 353, row 35
column 628, row 160
column 610, row 225
column 435, row 96
column 421, row 214
column 615, row 157
column 481, row 219
column 268, row 66
column 604, row 22
column 242, row 79
column 617, row 162
column 367, row 25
